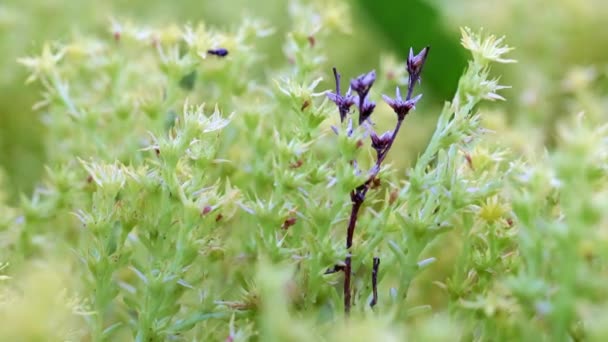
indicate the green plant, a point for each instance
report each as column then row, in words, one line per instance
column 170, row 219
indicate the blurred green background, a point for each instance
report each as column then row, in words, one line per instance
column 552, row 38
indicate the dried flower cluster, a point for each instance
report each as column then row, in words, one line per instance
column 381, row 144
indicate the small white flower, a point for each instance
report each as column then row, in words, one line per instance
column 489, row 48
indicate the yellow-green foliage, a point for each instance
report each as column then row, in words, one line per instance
column 191, row 196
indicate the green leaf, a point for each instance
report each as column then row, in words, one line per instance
column 107, row 332
column 188, row 323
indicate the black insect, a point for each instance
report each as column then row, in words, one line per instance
column 220, row 52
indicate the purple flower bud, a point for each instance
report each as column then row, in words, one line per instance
column 343, row 102
column 366, row 110
column 380, row 143
column 335, row 129
column 349, row 128
column 363, row 83
column 401, row 107
column 415, row 63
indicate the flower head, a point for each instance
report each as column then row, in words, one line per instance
column 416, row 63
column 400, row 106
column 380, row 143
column 44, row 64
column 343, row 102
column 366, row 109
column 363, row 83
column 485, row 48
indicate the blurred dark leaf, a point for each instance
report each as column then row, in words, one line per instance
column 415, row 23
